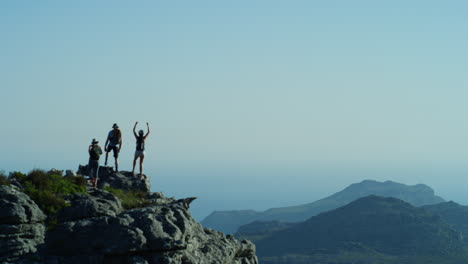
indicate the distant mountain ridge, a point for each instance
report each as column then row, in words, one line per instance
column 372, row 226
column 417, row 195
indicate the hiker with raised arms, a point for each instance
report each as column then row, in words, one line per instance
column 140, row 147
column 114, row 143
column 95, row 152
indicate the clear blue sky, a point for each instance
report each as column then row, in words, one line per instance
column 253, row 104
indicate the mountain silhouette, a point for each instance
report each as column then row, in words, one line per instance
column 381, row 225
column 417, row 195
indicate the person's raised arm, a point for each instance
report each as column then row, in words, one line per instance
column 134, row 129
column 147, row 133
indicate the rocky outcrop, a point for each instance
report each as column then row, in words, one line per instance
column 96, row 229
column 157, row 234
column 121, row 180
column 21, row 224
column 94, row 204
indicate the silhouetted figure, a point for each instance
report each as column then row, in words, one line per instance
column 95, row 152
column 114, row 143
column 140, row 147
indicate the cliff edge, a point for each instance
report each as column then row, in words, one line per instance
column 96, row 227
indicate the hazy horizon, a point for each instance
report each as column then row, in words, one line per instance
column 252, row 104
column 252, row 194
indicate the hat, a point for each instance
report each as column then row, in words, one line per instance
column 115, row 126
column 94, row 141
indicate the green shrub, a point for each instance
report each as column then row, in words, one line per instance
column 130, row 199
column 16, row 175
column 4, row 179
column 49, row 190
column 78, row 180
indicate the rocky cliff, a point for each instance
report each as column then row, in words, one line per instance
column 96, row 228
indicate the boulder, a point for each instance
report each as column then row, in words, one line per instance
column 18, row 208
column 70, row 173
column 157, row 198
column 56, row 172
column 21, row 224
column 120, row 180
column 155, row 234
column 94, row 204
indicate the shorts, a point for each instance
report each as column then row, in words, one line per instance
column 115, row 149
column 139, row 153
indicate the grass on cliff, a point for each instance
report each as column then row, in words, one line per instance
column 130, row 198
column 4, row 179
column 49, row 190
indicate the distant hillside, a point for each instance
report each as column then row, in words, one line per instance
column 383, row 229
column 454, row 214
column 417, row 195
column 261, row 229
column 229, row 221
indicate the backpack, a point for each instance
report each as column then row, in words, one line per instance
column 94, row 153
column 114, row 137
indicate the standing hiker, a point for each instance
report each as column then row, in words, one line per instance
column 140, row 147
column 95, row 152
column 114, row 143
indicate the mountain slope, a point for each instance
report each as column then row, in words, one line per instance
column 454, row 214
column 229, row 221
column 374, row 224
column 417, row 195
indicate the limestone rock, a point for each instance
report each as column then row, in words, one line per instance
column 155, row 234
column 158, row 198
column 94, row 204
column 70, row 173
column 96, row 229
column 21, row 228
column 120, row 180
column 17, row 207
column 56, row 172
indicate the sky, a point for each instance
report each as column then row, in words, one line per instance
column 252, row 104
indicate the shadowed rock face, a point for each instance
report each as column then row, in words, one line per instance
column 96, row 229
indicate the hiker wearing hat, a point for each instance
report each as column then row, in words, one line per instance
column 140, row 147
column 95, row 152
column 114, row 143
